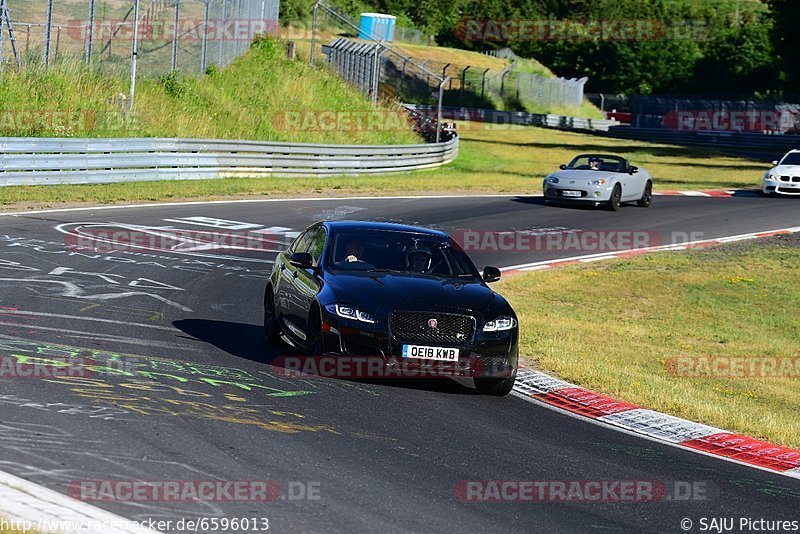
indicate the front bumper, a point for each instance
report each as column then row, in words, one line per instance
column 781, row 187
column 488, row 354
column 587, row 194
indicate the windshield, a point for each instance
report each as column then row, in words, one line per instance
column 791, row 159
column 382, row 250
column 598, row 163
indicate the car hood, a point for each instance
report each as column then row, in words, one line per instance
column 383, row 292
column 584, row 176
column 789, row 170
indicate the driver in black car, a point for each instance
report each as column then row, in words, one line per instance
column 354, row 251
column 419, row 260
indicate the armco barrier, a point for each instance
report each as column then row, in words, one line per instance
column 45, row 161
column 518, row 117
column 753, row 145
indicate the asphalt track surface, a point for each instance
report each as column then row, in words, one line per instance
column 182, row 389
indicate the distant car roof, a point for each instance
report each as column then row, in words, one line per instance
column 369, row 225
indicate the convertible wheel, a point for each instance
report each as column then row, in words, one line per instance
column 314, row 334
column 616, row 198
column 270, row 322
column 647, row 196
column 497, row 387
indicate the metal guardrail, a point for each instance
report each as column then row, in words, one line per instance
column 46, row 161
column 518, row 117
column 754, row 145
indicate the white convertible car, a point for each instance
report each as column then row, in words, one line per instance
column 784, row 177
column 599, row 179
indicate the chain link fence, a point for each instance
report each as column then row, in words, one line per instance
column 381, row 71
column 185, row 35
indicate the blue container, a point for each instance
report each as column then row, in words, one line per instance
column 376, row 26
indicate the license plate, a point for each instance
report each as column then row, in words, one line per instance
column 422, row 352
column 570, row 193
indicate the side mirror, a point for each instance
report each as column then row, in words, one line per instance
column 775, row 163
column 633, row 170
column 562, row 166
column 302, row 260
column 491, row 274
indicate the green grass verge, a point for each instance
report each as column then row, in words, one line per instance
column 615, row 326
column 508, row 160
column 248, row 99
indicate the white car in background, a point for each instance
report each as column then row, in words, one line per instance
column 784, row 177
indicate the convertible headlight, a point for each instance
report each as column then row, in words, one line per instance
column 773, row 177
column 350, row 312
column 501, row 323
column 597, row 182
column 552, row 180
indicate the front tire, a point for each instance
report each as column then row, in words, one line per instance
column 647, row 196
column 496, row 387
column 314, row 333
column 271, row 333
column 616, row 198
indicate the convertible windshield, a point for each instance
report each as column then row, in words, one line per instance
column 387, row 250
column 598, row 163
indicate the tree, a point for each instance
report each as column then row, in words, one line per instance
column 785, row 14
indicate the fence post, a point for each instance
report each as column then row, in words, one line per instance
column 204, row 45
column 48, row 28
column 439, row 110
column 175, row 35
column 314, row 31
column 89, row 33
column 134, row 52
column 464, row 77
column 483, row 82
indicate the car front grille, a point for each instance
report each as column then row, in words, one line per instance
column 416, row 327
column 794, row 179
column 791, row 190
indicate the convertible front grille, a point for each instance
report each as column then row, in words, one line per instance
column 417, row 327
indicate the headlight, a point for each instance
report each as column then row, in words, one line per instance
column 501, row 323
column 773, row 177
column 597, row 182
column 349, row 312
column 552, row 180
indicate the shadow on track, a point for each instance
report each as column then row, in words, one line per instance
column 246, row 341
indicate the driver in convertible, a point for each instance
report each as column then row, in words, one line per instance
column 594, row 164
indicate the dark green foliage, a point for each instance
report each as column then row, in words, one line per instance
column 710, row 46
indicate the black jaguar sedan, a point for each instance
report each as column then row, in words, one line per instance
column 409, row 296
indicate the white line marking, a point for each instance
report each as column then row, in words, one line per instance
column 103, row 337
column 23, row 500
column 76, row 292
column 260, row 200
column 5, row 311
column 660, row 248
